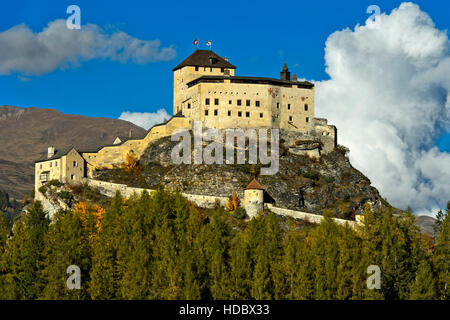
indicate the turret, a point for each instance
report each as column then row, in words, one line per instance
column 285, row 74
column 253, row 198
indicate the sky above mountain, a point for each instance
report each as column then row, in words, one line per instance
column 385, row 87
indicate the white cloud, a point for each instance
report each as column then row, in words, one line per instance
column 388, row 95
column 145, row 119
column 56, row 46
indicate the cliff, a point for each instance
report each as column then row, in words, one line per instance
column 328, row 184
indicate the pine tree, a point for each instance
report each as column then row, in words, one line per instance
column 67, row 243
column 24, row 254
column 441, row 256
column 104, row 275
column 424, row 286
column 325, row 253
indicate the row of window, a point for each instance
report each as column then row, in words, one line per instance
column 289, row 106
column 210, row 69
column 239, row 113
column 247, row 103
column 239, row 102
column 247, row 114
column 75, row 164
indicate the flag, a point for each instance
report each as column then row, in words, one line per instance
column 196, row 42
column 208, row 43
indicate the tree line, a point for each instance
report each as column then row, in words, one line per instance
column 160, row 246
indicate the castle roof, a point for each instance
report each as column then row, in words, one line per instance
column 58, row 154
column 204, row 58
column 254, row 185
column 252, row 80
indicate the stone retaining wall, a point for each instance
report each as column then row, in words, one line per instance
column 207, row 201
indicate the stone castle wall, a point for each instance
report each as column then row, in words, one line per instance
column 209, row 201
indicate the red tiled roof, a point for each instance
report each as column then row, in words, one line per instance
column 254, row 185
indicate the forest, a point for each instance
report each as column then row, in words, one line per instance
column 161, row 246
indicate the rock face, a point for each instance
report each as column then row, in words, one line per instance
column 27, row 132
column 317, row 185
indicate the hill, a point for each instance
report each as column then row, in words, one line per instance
column 27, row 132
column 328, row 184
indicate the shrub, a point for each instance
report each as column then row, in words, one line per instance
column 240, row 213
column 314, row 175
column 66, row 196
column 55, row 183
column 43, row 189
column 342, row 149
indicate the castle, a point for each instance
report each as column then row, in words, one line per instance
column 206, row 89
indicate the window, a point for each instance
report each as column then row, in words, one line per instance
column 257, row 103
column 189, row 105
column 216, row 102
column 40, row 167
column 239, row 113
column 248, row 103
column 216, row 112
column 307, row 119
column 247, row 114
column 278, row 105
column 43, row 177
column 207, row 101
column 51, row 164
column 222, row 70
column 261, row 115
column 230, row 102
column 196, row 68
column 75, row 164
column 56, row 164
column 206, row 112
column 72, row 177
column 239, row 102
column 290, row 118
column 289, row 106
column 210, row 69
column 306, row 107
column 229, row 113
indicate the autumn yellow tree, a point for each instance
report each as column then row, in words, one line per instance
column 233, row 203
column 131, row 163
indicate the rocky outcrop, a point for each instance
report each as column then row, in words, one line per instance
column 328, row 183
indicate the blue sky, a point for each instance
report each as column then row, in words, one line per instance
column 112, row 76
column 257, row 36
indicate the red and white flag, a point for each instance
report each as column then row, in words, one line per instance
column 196, row 42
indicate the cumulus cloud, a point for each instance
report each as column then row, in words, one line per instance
column 29, row 53
column 388, row 95
column 145, row 119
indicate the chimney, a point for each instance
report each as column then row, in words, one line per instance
column 226, row 58
column 50, row 152
column 130, row 133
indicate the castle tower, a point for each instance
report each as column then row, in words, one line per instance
column 285, row 74
column 253, row 198
column 199, row 63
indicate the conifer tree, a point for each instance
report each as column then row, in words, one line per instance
column 25, row 253
column 105, row 276
column 67, row 243
column 441, row 256
column 424, row 286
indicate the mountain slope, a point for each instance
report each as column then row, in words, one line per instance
column 25, row 134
